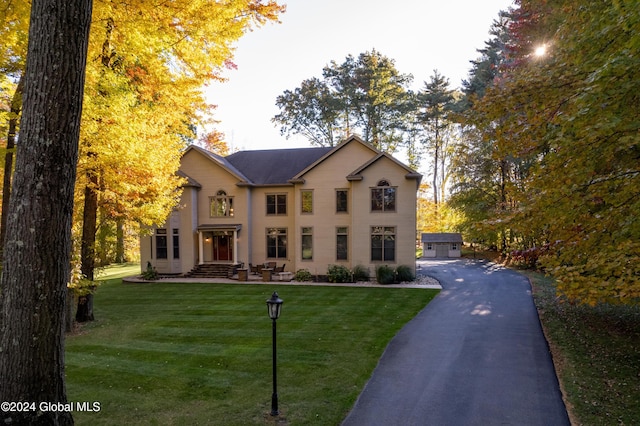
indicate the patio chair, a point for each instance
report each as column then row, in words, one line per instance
column 254, row 269
column 277, row 269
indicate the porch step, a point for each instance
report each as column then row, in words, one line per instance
column 211, row 270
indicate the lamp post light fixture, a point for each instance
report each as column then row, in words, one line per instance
column 274, row 306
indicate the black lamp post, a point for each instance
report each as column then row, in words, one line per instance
column 274, row 305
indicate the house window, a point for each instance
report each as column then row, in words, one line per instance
column 342, row 243
column 341, row 200
column 429, row 246
column 176, row 244
column 383, row 243
column 307, row 201
column 454, row 246
column 276, row 204
column 221, row 205
column 277, row 243
column 383, row 197
column 161, row 243
column 307, row 243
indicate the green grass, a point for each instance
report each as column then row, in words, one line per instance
column 597, row 355
column 168, row 353
column 121, row 270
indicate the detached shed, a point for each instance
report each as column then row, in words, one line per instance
column 441, row 244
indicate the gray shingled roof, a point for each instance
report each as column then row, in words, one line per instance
column 274, row 166
column 442, row 237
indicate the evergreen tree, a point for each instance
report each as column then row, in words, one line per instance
column 479, row 171
column 365, row 95
column 436, row 101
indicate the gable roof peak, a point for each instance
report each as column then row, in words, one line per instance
column 218, row 159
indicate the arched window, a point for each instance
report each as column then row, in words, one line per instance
column 383, row 197
column 221, row 205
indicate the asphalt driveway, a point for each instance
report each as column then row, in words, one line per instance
column 476, row 355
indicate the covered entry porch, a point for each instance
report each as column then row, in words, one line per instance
column 218, row 244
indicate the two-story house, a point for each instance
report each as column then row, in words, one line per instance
column 307, row 208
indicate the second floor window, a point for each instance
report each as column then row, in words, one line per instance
column 307, row 201
column 276, row 204
column 341, row 201
column 221, row 205
column 383, row 197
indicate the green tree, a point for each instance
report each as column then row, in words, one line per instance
column 366, row 95
column 480, row 171
column 493, row 58
column 312, row 111
column 381, row 101
column 436, row 101
column 38, row 241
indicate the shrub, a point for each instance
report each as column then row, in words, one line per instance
column 150, row 274
column 360, row 273
column 528, row 258
column 385, row 274
column 339, row 274
column 404, row 273
column 303, row 275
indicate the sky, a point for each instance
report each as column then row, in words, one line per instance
column 419, row 35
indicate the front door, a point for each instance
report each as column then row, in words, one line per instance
column 217, row 246
column 222, row 247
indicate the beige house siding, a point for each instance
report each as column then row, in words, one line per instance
column 353, row 166
column 261, row 222
column 184, row 219
column 324, row 180
column 403, row 219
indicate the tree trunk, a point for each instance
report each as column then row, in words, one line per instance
column 84, row 312
column 503, row 203
column 69, row 315
column 16, row 106
column 36, row 264
column 120, row 258
column 436, row 160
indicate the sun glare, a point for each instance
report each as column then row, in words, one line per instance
column 541, row 50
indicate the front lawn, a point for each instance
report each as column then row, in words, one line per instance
column 167, row 353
